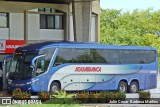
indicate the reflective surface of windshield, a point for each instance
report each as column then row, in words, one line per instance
column 20, row 66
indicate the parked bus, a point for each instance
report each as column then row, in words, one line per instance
column 72, row 66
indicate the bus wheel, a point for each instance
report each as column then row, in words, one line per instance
column 133, row 88
column 54, row 87
column 122, row 87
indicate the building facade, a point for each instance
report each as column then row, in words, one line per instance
column 32, row 22
column 38, row 22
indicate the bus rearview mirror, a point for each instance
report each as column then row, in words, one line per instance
column 7, row 59
column 34, row 60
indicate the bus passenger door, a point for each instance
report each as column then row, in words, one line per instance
column 40, row 74
column 5, row 69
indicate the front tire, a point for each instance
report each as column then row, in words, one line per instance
column 134, row 87
column 54, row 87
column 122, row 87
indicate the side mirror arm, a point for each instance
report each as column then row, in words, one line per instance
column 34, row 60
column 6, row 58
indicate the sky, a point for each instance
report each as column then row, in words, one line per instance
column 129, row 5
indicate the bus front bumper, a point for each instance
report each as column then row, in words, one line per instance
column 22, row 85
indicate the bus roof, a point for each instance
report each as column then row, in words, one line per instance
column 43, row 45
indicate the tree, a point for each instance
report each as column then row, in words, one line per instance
column 140, row 27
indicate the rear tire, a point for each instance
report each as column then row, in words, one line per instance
column 134, row 87
column 54, row 87
column 122, row 87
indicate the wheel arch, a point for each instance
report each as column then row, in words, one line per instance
column 57, row 81
column 124, row 81
column 134, row 80
column 131, row 89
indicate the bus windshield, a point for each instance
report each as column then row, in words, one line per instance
column 20, row 66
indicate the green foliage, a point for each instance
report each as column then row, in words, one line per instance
column 82, row 96
column 140, row 28
column 43, row 96
column 62, row 94
column 101, row 97
column 61, row 97
column 19, row 95
column 113, row 95
column 144, row 95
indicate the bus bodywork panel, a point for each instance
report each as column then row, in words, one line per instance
column 88, row 76
column 108, row 77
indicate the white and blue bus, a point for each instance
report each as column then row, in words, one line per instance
column 72, row 66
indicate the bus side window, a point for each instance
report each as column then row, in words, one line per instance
column 64, row 56
column 59, row 60
column 40, row 68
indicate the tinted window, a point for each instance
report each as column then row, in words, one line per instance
column 81, row 56
column 58, row 22
column 63, row 56
column 48, row 56
column 111, row 56
column 129, row 56
column 88, row 56
column 125, row 56
column 98, row 56
column 151, row 56
column 51, row 21
column 135, row 58
column 104, row 56
column 4, row 20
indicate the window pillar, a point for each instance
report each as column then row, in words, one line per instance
column 82, row 20
column 26, row 26
column 66, row 27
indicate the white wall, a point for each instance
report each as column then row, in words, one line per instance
column 51, row 34
column 4, row 33
column 16, row 30
column 35, row 33
column 33, row 27
column 16, row 26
